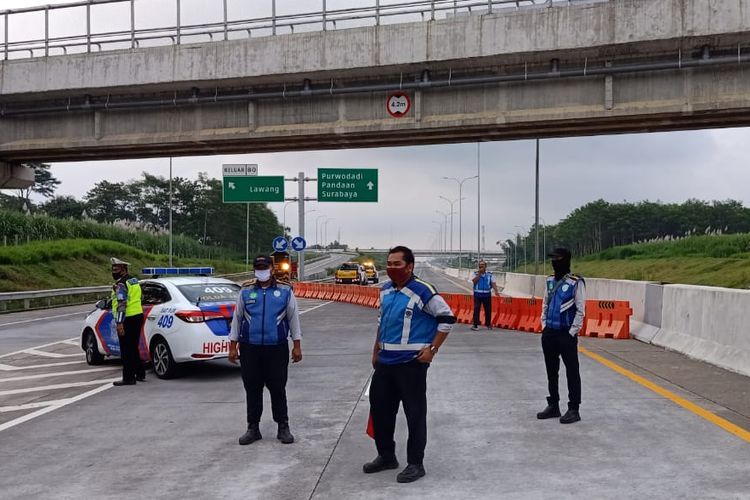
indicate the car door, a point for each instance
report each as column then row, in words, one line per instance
column 156, row 301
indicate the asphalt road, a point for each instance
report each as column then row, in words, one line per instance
column 178, row 438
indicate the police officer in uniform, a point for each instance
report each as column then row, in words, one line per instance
column 562, row 318
column 484, row 282
column 414, row 322
column 128, row 314
column 265, row 316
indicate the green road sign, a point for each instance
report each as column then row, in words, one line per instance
column 347, row 184
column 252, row 189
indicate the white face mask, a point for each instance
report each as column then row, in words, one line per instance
column 263, row 274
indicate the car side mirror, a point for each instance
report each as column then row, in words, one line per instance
column 101, row 304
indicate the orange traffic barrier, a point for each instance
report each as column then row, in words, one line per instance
column 498, row 306
column 607, row 319
column 531, row 316
column 465, row 309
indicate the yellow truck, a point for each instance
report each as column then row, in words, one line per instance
column 372, row 272
column 351, row 272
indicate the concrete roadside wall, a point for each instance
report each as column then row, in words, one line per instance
column 710, row 324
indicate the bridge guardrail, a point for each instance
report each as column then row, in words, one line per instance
column 272, row 23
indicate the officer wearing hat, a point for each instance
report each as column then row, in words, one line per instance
column 562, row 318
column 128, row 313
column 265, row 316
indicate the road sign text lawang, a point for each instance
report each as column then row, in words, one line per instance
column 348, row 184
column 251, row 189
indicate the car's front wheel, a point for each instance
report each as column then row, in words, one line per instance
column 93, row 356
column 162, row 360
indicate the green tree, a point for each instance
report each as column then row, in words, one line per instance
column 64, row 207
column 110, row 201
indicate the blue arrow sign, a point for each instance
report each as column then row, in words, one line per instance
column 280, row 244
column 299, row 243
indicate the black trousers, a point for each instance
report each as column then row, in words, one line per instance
column 131, row 359
column 393, row 384
column 558, row 344
column 265, row 366
column 480, row 301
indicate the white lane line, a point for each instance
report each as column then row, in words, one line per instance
column 35, row 347
column 39, row 413
column 57, row 374
column 10, row 368
column 74, row 342
column 31, row 406
column 41, row 319
column 367, row 390
column 316, row 307
column 37, row 352
column 54, row 387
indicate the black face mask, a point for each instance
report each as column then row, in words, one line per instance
column 116, row 276
column 561, row 267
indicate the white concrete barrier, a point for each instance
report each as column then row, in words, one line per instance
column 707, row 323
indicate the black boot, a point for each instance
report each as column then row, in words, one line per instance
column 411, row 473
column 552, row 410
column 570, row 416
column 284, row 435
column 252, row 435
column 123, row 382
column 379, row 464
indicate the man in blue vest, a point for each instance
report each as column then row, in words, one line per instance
column 128, row 315
column 265, row 316
column 562, row 318
column 414, row 322
column 484, row 282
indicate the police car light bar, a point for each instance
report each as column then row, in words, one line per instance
column 178, row 271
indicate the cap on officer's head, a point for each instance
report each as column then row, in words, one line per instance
column 561, row 253
column 262, row 262
column 117, row 262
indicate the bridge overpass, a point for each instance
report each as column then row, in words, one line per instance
column 481, row 71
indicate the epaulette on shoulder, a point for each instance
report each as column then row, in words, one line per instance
column 133, row 281
column 574, row 277
column 285, row 283
column 248, row 283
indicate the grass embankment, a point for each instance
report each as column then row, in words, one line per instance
column 721, row 260
column 70, row 263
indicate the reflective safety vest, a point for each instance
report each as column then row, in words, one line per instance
column 484, row 285
column 404, row 327
column 561, row 305
column 264, row 320
column 133, row 306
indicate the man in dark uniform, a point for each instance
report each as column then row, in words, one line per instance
column 562, row 318
column 128, row 314
column 266, row 315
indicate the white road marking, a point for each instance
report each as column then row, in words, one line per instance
column 74, row 342
column 9, row 368
column 38, row 404
column 57, row 374
column 37, row 352
column 38, row 413
column 57, row 386
column 41, row 319
column 367, row 390
column 36, row 347
column 316, row 307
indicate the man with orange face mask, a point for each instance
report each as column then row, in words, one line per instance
column 414, row 322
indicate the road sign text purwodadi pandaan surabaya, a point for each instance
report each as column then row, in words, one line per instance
column 347, row 184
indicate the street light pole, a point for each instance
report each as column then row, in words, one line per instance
column 452, row 213
column 445, row 232
column 317, row 241
column 536, row 214
column 460, row 215
column 285, row 205
column 325, row 229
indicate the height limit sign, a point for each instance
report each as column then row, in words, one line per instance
column 398, row 104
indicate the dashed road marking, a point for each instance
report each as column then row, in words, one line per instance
column 10, row 368
column 57, row 374
column 45, row 354
column 53, row 387
column 36, row 347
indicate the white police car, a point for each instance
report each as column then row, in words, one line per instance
column 185, row 319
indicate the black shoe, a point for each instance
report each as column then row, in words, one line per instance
column 380, row 464
column 123, row 382
column 284, row 435
column 252, row 435
column 570, row 417
column 140, row 378
column 552, row 410
column 411, row 473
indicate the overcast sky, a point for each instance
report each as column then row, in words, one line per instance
column 671, row 167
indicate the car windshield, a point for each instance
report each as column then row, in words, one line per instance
column 349, row 267
column 210, row 292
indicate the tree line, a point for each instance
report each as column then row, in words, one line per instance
column 599, row 225
column 198, row 211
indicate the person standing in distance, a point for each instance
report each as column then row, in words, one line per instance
column 128, row 314
column 562, row 318
column 484, row 282
column 265, row 316
column 414, row 322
